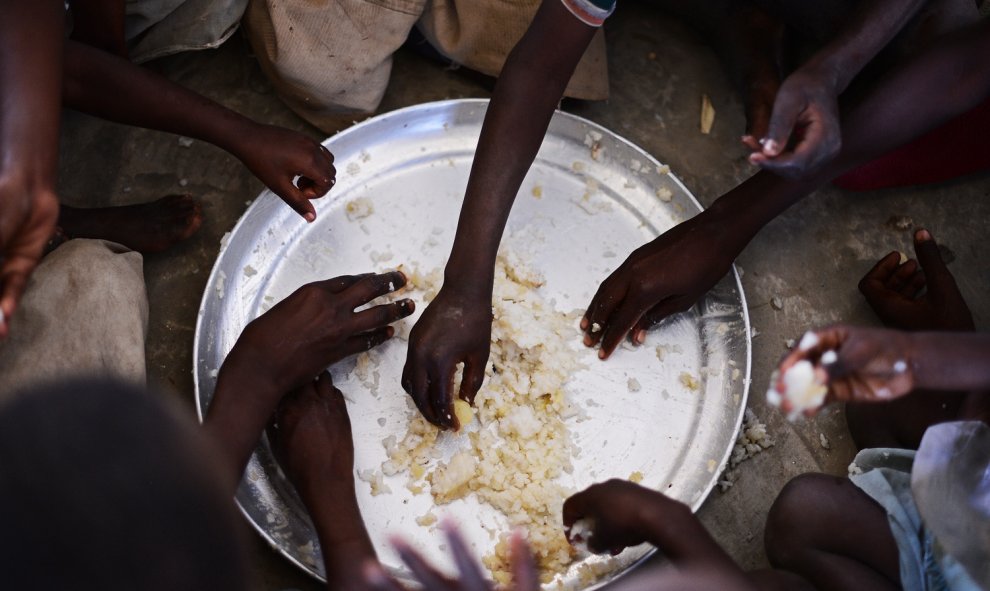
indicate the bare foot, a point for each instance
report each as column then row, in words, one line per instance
column 146, row 227
column 912, row 297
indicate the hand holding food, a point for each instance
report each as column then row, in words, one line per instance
column 454, row 329
column 278, row 156
column 843, row 364
column 609, row 517
column 804, row 132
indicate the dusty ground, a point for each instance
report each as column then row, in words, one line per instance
column 811, row 257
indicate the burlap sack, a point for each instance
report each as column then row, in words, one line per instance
column 84, row 313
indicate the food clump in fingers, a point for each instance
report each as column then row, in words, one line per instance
column 802, row 387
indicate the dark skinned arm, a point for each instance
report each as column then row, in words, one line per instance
column 31, row 38
column 312, row 439
column 456, row 327
column 288, row 346
column 807, row 102
column 880, row 365
column 110, row 87
column 670, row 274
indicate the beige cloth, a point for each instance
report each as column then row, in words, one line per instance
column 331, row 58
column 84, row 313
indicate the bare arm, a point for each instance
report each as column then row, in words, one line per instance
column 671, row 273
column 108, row 86
column 288, row 346
column 31, row 38
column 807, row 102
column 456, row 327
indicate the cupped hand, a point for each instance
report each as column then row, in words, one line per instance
column 455, row 328
column 27, row 221
column 525, row 576
column 311, row 434
column 277, row 156
column 317, row 326
column 917, row 295
column 804, row 132
column 861, row 364
column 614, row 510
column 661, row 278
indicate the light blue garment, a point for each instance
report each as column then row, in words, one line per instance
column 924, row 563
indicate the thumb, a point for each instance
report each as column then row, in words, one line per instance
column 930, row 259
column 786, row 109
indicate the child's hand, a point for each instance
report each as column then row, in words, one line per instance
column 804, row 132
column 524, row 574
column 661, row 278
column 455, row 328
column 317, row 326
column 615, row 511
column 277, row 156
column 27, row 221
column 861, row 364
column 311, row 435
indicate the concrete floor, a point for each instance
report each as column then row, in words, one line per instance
column 812, row 257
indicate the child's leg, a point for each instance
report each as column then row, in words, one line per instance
column 145, row 227
column 910, row 296
column 834, row 535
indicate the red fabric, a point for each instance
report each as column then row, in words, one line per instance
column 960, row 147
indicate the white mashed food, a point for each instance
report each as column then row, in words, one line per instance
column 520, row 443
column 802, row 389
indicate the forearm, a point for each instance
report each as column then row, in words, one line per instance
column 344, row 541
column 31, row 39
column 936, row 86
column 867, row 31
column 947, row 361
column 110, row 87
column 241, row 408
column 532, row 83
column 678, row 533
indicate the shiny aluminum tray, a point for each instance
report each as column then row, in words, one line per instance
column 591, row 198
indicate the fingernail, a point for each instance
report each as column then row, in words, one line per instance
column 389, row 331
column 640, row 337
column 587, row 341
column 601, row 354
column 770, row 147
column 409, row 305
column 755, row 157
column 310, row 217
column 922, row 235
column 584, row 323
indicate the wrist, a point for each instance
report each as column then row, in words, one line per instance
column 471, row 282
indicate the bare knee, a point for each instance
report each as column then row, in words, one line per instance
column 797, row 519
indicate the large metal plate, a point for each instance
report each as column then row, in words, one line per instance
column 413, row 166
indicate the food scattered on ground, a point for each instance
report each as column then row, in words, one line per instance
column 707, row 114
column 752, row 440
